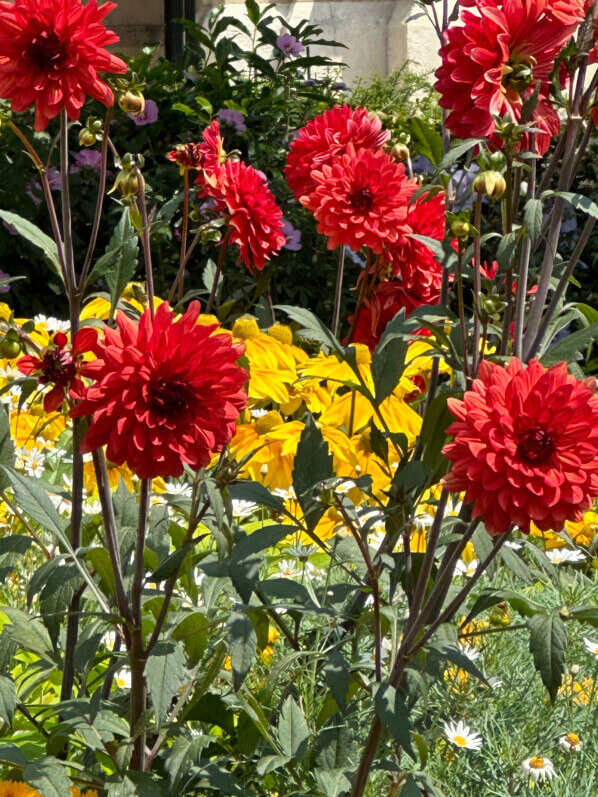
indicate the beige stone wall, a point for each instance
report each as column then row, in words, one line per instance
column 379, row 34
column 137, row 22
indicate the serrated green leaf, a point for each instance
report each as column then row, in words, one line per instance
column 35, row 502
column 577, row 201
column 8, row 699
column 192, row 631
column 388, row 364
column 293, row 732
column 49, row 776
column 532, row 219
column 242, row 646
column 165, row 673
column 338, row 678
column 313, row 464
column 548, row 644
column 394, row 715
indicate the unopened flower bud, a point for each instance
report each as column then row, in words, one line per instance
column 399, row 153
column 490, row 183
column 460, row 228
column 86, row 138
column 128, row 185
column 132, row 102
column 10, row 348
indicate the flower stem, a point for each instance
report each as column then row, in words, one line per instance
column 145, row 238
column 137, row 653
column 477, row 287
column 219, row 267
column 336, row 316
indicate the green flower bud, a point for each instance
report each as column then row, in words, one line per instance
column 490, row 183
column 132, row 102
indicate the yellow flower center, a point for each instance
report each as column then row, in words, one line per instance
column 537, row 762
column 245, row 328
column 207, row 319
column 268, row 422
column 282, row 333
column 362, row 354
column 572, row 739
column 461, row 741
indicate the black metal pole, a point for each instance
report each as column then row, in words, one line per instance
column 174, row 37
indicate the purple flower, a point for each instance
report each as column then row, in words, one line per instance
column 4, row 276
column 233, row 119
column 293, row 236
column 148, row 116
column 54, row 179
column 87, row 158
column 289, row 46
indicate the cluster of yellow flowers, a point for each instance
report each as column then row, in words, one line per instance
column 11, row 788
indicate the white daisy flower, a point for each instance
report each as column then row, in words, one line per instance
column 538, row 768
column 561, row 556
column 123, row 679
column 461, row 735
column 243, row 508
column 570, row 743
column 514, row 545
column 92, row 507
column 311, row 571
column 33, row 463
column 591, row 646
column 287, row 568
column 469, row 651
column 422, row 522
column 286, row 495
column 258, row 413
column 302, row 552
column 179, row 488
column 344, row 485
column 466, row 568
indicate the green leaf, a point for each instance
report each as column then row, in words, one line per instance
column 333, row 782
column 260, row 539
column 8, row 698
column 426, row 138
column 34, row 501
column 119, row 262
column 577, row 201
column 489, row 598
column 571, row 347
column 165, row 672
column 312, row 327
column 12, row 548
column 455, row 656
column 35, row 236
column 548, row 644
column 313, row 464
column 12, row 755
column 584, row 614
column 411, row 789
column 242, row 645
column 506, row 250
column 532, row 219
column 388, row 364
column 457, row 152
column 516, row 565
column 192, row 631
column 7, row 448
column 253, row 11
column 338, row 678
column 49, row 776
column 27, row 632
column 99, row 558
column 293, row 732
column 394, row 715
column 256, row 493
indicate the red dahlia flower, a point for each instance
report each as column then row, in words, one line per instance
column 525, row 446
column 493, row 62
column 60, row 367
column 167, row 392
column 253, row 218
column 360, row 200
column 212, row 153
column 186, row 156
column 325, row 137
column 50, row 54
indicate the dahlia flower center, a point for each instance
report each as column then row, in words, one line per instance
column 57, row 367
column 518, row 75
column 536, row 445
column 46, row 51
column 168, row 398
column 362, row 199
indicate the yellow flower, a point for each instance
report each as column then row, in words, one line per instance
column 115, row 474
column 76, row 792
column 581, row 691
column 582, row 532
column 272, row 368
column 27, row 425
column 469, row 553
column 10, row 788
column 133, row 294
column 457, row 679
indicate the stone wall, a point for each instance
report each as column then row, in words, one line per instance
column 380, row 34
